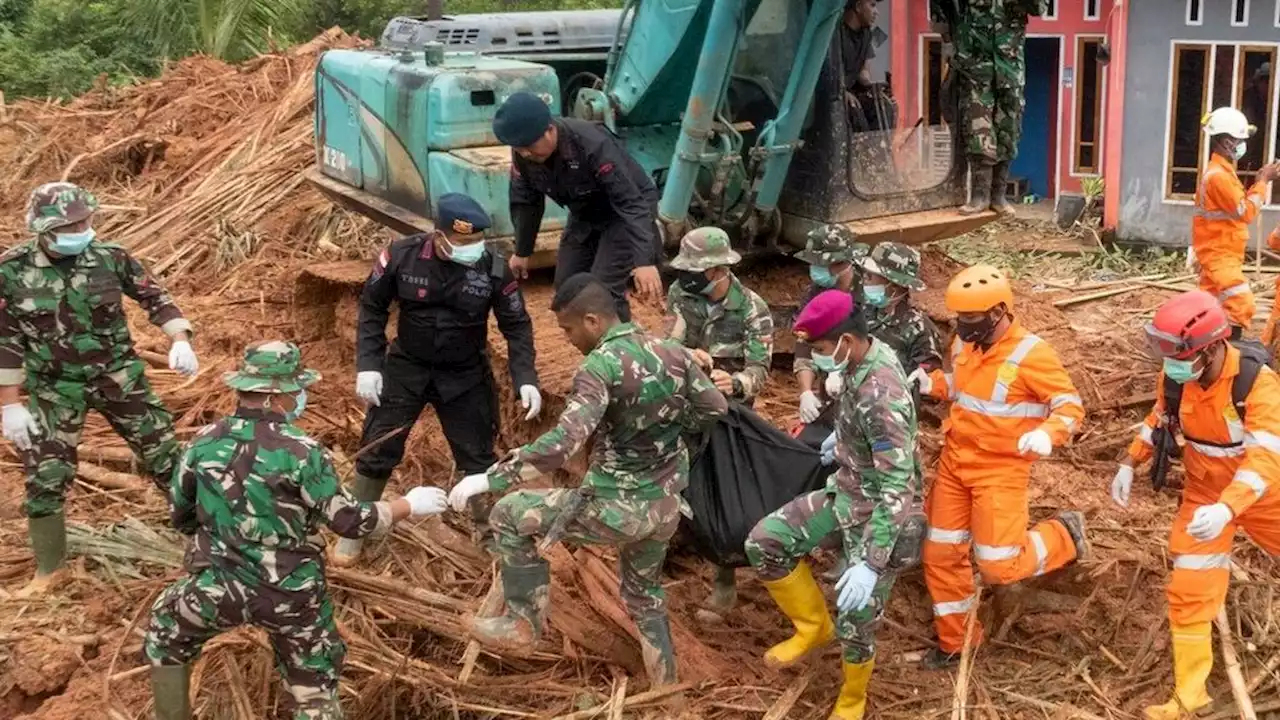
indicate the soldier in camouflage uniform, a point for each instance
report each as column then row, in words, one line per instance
column 639, row 396
column 65, row 339
column 889, row 275
column 253, row 489
column 834, row 256
column 870, row 509
column 730, row 330
column 990, row 55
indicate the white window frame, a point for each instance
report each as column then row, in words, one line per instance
column 1076, row 94
column 1097, row 9
column 1198, row 20
column 1278, row 13
column 1053, row 11
column 1234, row 5
column 1274, row 120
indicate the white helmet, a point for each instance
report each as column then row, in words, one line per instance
column 1228, row 121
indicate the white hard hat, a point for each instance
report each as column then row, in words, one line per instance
column 1228, row 121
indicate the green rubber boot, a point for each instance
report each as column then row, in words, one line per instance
column 171, row 686
column 366, row 489
column 49, row 544
column 979, row 189
column 526, row 590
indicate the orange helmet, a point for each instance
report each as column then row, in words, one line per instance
column 1187, row 323
column 978, row 289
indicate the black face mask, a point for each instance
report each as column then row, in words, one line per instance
column 691, row 281
column 978, row 332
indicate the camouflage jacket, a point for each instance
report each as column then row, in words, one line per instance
column 253, row 490
column 642, row 395
column 66, row 319
column 737, row 332
column 909, row 333
column 879, row 474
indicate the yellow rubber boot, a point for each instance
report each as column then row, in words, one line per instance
column 800, row 599
column 1192, row 661
column 852, row 703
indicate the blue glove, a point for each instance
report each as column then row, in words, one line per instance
column 853, row 590
column 829, row 449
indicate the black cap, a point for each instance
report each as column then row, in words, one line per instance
column 461, row 214
column 521, row 120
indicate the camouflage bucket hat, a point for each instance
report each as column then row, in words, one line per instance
column 57, row 204
column 897, row 263
column 830, row 244
column 703, row 249
column 274, row 366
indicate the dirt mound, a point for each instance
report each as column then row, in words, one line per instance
column 199, row 173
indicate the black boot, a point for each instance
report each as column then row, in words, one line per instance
column 526, row 589
column 979, row 189
column 1000, row 189
column 938, row 659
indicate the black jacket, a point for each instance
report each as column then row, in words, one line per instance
column 444, row 314
column 591, row 175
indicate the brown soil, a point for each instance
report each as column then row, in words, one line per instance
column 1094, row 645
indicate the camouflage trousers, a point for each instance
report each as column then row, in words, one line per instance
column 992, row 60
column 640, row 529
column 125, row 399
column 308, row 650
column 783, row 538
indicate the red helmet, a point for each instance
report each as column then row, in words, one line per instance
column 1186, row 324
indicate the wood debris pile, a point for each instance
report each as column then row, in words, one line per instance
column 199, row 172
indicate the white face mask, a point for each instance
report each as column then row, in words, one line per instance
column 1242, row 148
column 466, row 254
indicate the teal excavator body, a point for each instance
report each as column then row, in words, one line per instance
column 735, row 107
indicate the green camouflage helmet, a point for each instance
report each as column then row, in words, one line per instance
column 703, row 249
column 831, row 244
column 272, row 366
column 897, row 263
column 57, row 204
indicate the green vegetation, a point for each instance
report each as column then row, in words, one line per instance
column 61, row 48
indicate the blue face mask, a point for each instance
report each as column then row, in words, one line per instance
column 827, row 363
column 1241, row 148
column 821, row 276
column 466, row 254
column 71, row 243
column 296, row 412
column 1181, row 371
column 875, row 295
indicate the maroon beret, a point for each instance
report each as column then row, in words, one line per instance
column 825, row 313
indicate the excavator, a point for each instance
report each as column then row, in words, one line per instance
column 735, row 107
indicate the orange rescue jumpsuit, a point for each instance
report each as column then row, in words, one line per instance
column 1226, row 461
column 1269, row 333
column 1220, row 235
column 980, row 494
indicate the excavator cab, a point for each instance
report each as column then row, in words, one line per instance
column 737, row 108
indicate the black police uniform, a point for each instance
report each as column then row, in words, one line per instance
column 612, row 204
column 440, row 354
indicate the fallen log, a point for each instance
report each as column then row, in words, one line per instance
column 110, row 479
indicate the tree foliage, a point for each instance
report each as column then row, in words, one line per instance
column 61, row 48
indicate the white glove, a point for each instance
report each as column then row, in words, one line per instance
column 183, row 359
column 1209, row 521
column 369, row 386
column 1036, row 441
column 853, row 589
column 922, row 380
column 1121, row 486
column 467, row 488
column 829, row 449
column 531, row 400
column 426, row 500
column 810, row 407
column 1192, row 260
column 19, row 426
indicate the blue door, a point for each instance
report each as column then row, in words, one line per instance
column 1035, row 160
